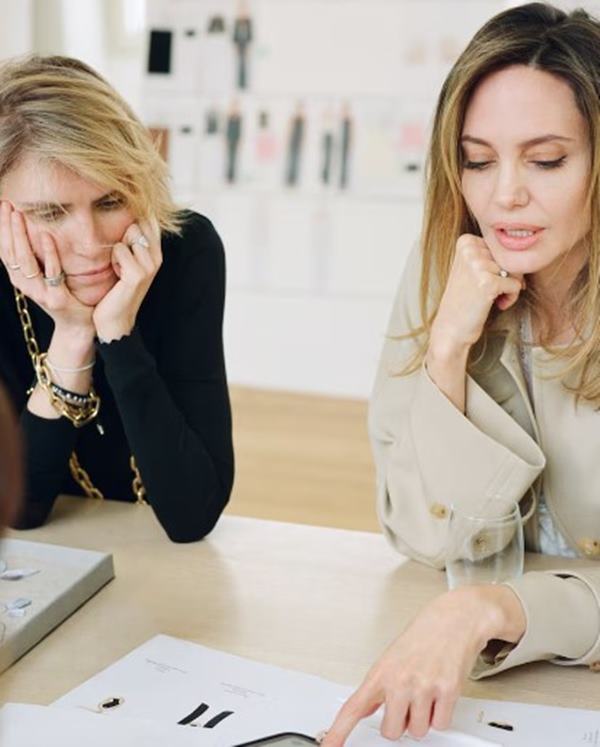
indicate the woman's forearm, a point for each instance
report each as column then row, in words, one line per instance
column 446, row 364
column 186, row 462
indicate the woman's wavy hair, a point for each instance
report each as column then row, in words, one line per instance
column 60, row 110
column 566, row 45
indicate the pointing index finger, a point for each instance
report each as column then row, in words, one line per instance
column 363, row 703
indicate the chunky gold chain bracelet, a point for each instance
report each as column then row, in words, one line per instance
column 79, row 414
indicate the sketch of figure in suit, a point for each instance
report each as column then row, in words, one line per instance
column 294, row 152
column 233, row 135
column 242, row 37
column 346, row 146
column 327, row 147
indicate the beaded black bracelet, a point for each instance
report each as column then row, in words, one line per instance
column 73, row 398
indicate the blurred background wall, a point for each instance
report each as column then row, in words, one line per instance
column 299, row 127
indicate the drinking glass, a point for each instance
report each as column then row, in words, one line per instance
column 486, row 547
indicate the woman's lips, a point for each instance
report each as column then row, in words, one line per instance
column 517, row 243
column 92, row 277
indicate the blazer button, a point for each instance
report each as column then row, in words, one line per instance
column 589, row 547
column 438, row 510
column 595, row 666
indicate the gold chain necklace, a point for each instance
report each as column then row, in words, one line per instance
column 80, row 476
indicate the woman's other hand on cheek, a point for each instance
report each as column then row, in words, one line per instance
column 136, row 259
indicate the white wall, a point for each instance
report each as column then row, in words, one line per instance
column 95, row 31
column 16, row 27
column 312, row 269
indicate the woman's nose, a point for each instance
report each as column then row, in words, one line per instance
column 510, row 188
column 86, row 236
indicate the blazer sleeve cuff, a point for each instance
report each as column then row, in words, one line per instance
column 501, row 458
column 562, row 611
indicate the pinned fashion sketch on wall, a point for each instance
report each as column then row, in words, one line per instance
column 266, row 158
column 211, row 148
column 233, row 135
column 346, row 144
column 217, row 66
column 327, row 147
column 294, row 147
column 242, row 37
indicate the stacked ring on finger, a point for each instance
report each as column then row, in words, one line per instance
column 13, row 267
column 55, row 281
column 31, row 275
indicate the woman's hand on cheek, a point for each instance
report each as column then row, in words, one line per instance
column 27, row 274
column 136, row 259
column 419, row 678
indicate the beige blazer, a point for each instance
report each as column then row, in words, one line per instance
column 428, row 455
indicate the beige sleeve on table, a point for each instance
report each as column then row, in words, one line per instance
column 562, row 609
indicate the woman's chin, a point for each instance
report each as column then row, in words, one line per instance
column 524, row 262
column 91, row 295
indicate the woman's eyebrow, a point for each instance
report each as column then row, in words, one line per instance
column 525, row 144
column 46, row 204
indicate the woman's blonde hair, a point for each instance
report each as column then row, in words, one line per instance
column 566, row 45
column 62, row 111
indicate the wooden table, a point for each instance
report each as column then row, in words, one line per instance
column 325, row 601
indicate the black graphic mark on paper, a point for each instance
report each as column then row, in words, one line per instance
column 202, row 708
column 217, row 719
column 197, row 712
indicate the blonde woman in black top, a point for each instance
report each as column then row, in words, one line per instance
column 111, row 305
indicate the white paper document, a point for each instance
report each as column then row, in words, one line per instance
column 235, row 700
column 33, row 725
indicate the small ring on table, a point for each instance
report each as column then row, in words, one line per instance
column 55, row 281
column 14, row 268
column 33, row 275
column 503, row 273
column 141, row 241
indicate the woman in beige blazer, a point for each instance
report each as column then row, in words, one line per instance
column 489, row 382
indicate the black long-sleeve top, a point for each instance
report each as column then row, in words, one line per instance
column 164, row 397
